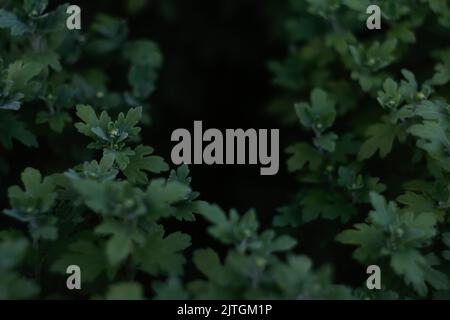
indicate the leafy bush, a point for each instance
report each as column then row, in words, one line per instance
column 375, row 131
column 372, row 163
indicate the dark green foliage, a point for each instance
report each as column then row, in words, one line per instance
column 372, row 164
column 365, row 107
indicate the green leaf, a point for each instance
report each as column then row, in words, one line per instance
column 446, row 241
column 38, row 195
column 385, row 213
column 53, row 21
column 128, row 123
column 391, row 97
column 231, row 229
column 320, row 114
column 433, row 139
column 161, row 255
column 416, row 202
column 103, row 171
column 319, row 203
column 20, row 73
column 172, row 289
column 135, row 6
column 111, row 198
column 289, row 215
column 381, row 138
column 185, row 209
column 368, row 238
column 163, row 196
column 398, row 235
column 11, row 128
column 403, row 32
column 446, row 238
column 46, row 59
column 85, row 254
column 56, row 121
column 143, row 52
column 410, row 88
column 15, row 287
column 357, row 5
column 35, row 7
column 208, row 262
column 417, row 270
column 282, row 243
column 121, row 157
column 442, row 73
column 118, row 248
column 140, row 161
column 125, row 291
column 122, row 240
column 10, row 21
column 108, row 134
column 107, row 34
column 12, row 250
column 13, row 102
column 90, row 121
column 302, row 154
column 145, row 59
column 297, row 278
column 142, row 78
column 326, row 142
